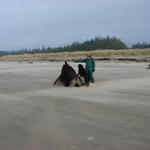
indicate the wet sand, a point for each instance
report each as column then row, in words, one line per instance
column 112, row 115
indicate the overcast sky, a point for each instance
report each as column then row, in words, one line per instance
column 33, row 23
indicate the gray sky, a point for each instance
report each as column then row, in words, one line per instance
column 33, row 23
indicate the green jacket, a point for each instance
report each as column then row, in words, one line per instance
column 90, row 63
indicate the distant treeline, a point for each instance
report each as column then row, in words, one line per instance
column 141, row 45
column 88, row 45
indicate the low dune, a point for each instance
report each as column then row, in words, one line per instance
column 131, row 55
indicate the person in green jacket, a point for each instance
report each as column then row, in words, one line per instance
column 90, row 66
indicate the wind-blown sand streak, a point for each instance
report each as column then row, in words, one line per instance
column 112, row 115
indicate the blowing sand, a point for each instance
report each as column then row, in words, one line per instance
column 112, row 115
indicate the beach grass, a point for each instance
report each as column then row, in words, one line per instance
column 95, row 53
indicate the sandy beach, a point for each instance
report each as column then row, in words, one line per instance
column 112, row 115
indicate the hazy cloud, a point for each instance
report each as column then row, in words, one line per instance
column 33, row 23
